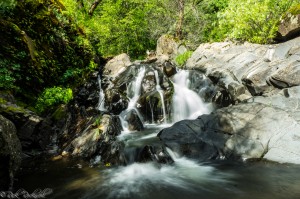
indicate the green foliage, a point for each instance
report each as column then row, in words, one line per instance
column 295, row 10
column 124, row 28
column 6, row 5
column 97, row 121
column 52, row 97
column 9, row 73
column 117, row 26
column 252, row 20
column 182, row 58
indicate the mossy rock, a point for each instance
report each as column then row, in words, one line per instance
column 60, row 113
column 2, row 101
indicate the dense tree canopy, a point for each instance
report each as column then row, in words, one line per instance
column 58, row 42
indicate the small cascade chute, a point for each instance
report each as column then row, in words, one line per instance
column 151, row 109
column 101, row 103
column 161, row 93
column 135, row 92
column 187, row 104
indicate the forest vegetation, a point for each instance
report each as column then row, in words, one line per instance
column 51, row 46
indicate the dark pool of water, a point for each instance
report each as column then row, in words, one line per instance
column 183, row 179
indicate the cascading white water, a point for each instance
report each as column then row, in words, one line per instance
column 101, row 102
column 137, row 178
column 161, row 93
column 187, row 104
column 151, row 108
column 134, row 90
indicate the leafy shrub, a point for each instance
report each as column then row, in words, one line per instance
column 52, row 97
column 182, row 58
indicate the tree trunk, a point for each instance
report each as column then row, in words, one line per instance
column 93, row 7
column 179, row 34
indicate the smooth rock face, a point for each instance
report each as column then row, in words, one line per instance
column 117, row 65
column 246, row 131
column 10, row 153
column 260, row 68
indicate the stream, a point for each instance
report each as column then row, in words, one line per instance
column 184, row 178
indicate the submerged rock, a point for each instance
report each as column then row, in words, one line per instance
column 244, row 131
column 10, row 153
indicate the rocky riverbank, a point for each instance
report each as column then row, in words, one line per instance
column 262, row 119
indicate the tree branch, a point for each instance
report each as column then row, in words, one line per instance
column 93, row 7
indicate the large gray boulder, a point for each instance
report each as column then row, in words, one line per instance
column 244, row 131
column 260, row 68
column 117, row 65
column 10, row 153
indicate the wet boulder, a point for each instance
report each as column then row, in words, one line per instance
column 147, row 153
column 115, row 100
column 149, row 82
column 134, row 121
column 10, row 153
column 169, row 69
column 99, row 139
column 243, row 131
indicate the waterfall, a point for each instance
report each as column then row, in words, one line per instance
column 161, row 93
column 152, row 114
column 135, row 90
column 187, row 104
column 101, row 102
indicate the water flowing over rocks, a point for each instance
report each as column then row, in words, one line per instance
column 250, row 130
column 258, row 88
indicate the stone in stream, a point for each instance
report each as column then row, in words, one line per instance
column 243, row 131
column 10, row 153
column 134, row 121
